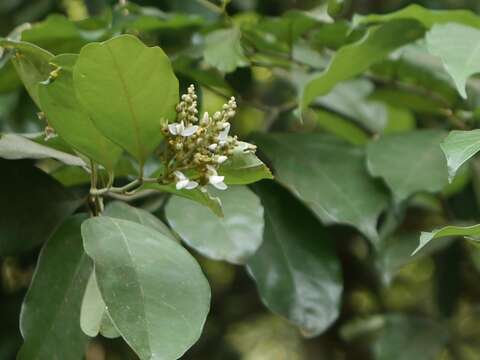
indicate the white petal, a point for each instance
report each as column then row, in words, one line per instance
column 189, row 131
column 179, row 175
column 224, row 133
column 221, row 159
column 182, row 184
column 220, row 185
column 215, row 179
column 205, row 119
column 191, row 185
column 212, row 147
column 173, row 128
column 211, row 171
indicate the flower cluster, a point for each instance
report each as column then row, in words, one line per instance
column 196, row 147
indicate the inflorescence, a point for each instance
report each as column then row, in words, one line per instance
column 196, row 147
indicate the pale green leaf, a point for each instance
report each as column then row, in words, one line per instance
column 32, row 64
column 458, row 48
column 340, row 127
column 223, row 49
column 329, row 176
column 297, row 272
column 141, row 87
column 375, row 45
column 15, row 147
column 459, row 147
column 94, row 317
column 233, row 238
column 156, row 293
column 51, row 309
column 428, row 17
column 419, row 164
column 447, row 231
column 69, row 118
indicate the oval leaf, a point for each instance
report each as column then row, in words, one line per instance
column 233, row 238
column 70, row 120
column 297, row 272
column 156, row 293
column 459, row 147
column 329, row 176
column 419, row 162
column 51, row 308
column 142, row 91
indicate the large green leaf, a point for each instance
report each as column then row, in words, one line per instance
column 377, row 43
column 32, row 64
column 94, row 317
column 427, row 17
column 296, row 269
column 155, row 291
column 15, row 147
column 32, row 206
column 419, row 164
column 70, row 120
column 223, row 49
column 459, row 147
column 141, row 87
column 409, row 338
column 121, row 210
column 457, row 45
column 233, row 238
column 51, row 310
column 329, row 176
column 448, row 231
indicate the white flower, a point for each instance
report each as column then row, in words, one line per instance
column 222, row 137
column 205, row 119
column 212, row 147
column 180, row 129
column 183, row 182
column 215, row 179
column 221, row 159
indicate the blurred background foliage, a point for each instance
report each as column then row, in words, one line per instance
column 425, row 298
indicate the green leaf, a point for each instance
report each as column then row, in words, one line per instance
column 298, row 274
column 15, row 147
column 409, row 338
column 456, row 45
column 121, row 210
column 233, row 238
column 32, row 207
column 32, row 64
column 223, row 49
column 419, row 162
column 70, row 120
column 142, row 91
column 329, row 176
column 59, row 35
column 204, row 198
column 94, row 317
column 427, row 17
column 447, row 231
column 377, row 43
column 156, row 294
column 340, row 127
column 459, row 147
column 244, row 168
column 349, row 99
column 51, row 308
